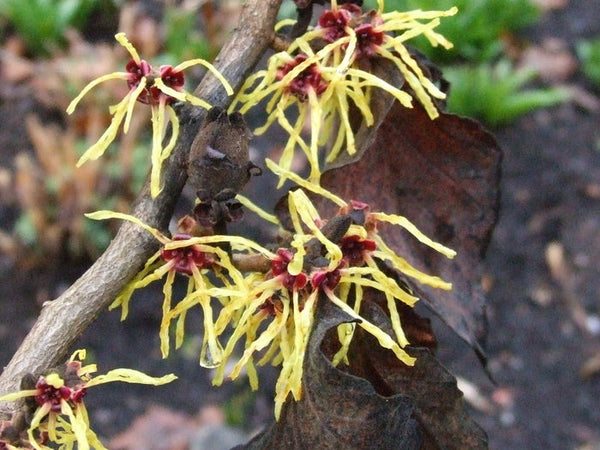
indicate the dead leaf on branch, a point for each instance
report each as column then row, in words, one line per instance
column 443, row 175
column 438, row 403
column 377, row 402
column 337, row 409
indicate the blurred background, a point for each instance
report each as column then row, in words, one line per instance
column 529, row 70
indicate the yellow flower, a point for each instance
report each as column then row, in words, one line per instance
column 323, row 83
column 61, row 413
column 157, row 88
column 316, row 89
column 196, row 258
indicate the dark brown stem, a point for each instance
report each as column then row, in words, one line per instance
column 63, row 320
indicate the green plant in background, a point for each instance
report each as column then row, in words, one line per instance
column 42, row 23
column 484, row 85
column 589, row 54
column 236, row 407
column 183, row 39
column 51, row 196
column 476, row 29
column 497, row 93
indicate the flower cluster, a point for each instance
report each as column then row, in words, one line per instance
column 273, row 308
column 328, row 69
column 59, row 414
column 157, row 88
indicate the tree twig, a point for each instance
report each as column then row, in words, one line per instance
column 63, row 320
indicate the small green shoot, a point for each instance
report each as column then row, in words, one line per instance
column 476, row 30
column 589, row 54
column 42, row 23
column 236, row 408
column 497, row 94
column 183, row 40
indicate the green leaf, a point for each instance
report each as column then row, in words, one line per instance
column 589, row 54
column 476, row 30
column 42, row 23
column 25, row 229
column 497, row 94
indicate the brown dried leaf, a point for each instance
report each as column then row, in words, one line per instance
column 339, row 410
column 438, row 403
column 553, row 61
column 443, row 175
column 551, row 5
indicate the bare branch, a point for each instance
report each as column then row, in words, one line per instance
column 63, row 320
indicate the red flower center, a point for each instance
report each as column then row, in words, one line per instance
column 334, row 24
column 77, row 396
column 309, row 79
column 152, row 95
column 279, row 267
column 354, row 249
column 172, row 78
column 48, row 394
column 185, row 258
column 326, row 280
column 367, row 40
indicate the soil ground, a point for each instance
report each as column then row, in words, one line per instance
column 542, row 275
